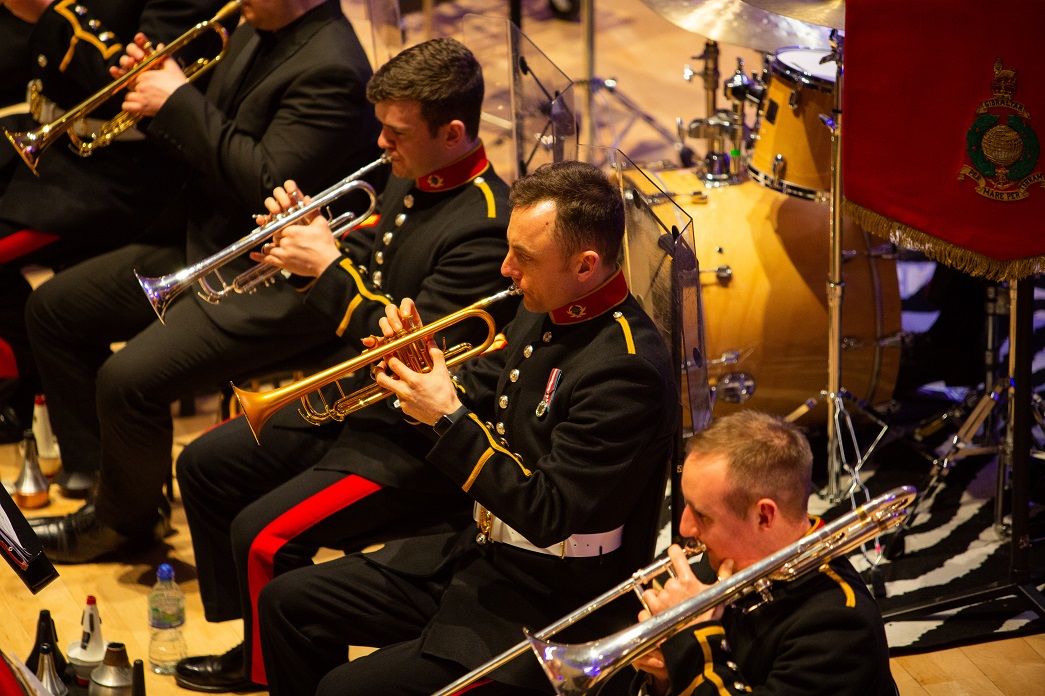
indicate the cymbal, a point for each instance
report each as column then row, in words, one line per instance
column 826, row 13
column 740, row 24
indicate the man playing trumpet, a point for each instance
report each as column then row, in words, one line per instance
column 255, row 512
column 562, row 441
column 286, row 102
column 746, row 482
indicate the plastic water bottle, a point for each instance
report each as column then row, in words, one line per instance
column 166, row 616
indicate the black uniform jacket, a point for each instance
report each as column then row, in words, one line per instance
column 443, row 247
column 299, row 113
column 593, row 461
column 821, row 634
column 71, row 48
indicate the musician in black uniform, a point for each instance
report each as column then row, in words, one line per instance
column 286, row 102
column 561, row 439
column 257, row 511
column 746, row 482
column 77, row 207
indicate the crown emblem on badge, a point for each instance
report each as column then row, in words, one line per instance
column 1001, row 144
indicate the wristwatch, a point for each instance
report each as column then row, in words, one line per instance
column 442, row 426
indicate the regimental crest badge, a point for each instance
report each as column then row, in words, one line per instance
column 1001, row 144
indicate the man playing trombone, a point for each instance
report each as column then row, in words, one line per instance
column 259, row 511
column 746, row 482
column 561, row 439
column 286, row 102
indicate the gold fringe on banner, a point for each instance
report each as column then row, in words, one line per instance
column 938, row 250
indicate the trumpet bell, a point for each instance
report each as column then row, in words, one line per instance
column 29, row 145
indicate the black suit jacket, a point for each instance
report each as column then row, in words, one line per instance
column 302, row 115
column 102, row 201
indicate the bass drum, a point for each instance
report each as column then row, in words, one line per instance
column 764, row 261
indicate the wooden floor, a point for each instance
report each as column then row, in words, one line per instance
column 646, row 55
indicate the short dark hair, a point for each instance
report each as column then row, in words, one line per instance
column 589, row 209
column 441, row 75
column 768, row 458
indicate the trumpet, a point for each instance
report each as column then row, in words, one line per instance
column 584, row 668
column 162, row 290
column 30, row 144
column 409, row 345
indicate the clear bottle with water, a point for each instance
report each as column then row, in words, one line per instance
column 166, row 616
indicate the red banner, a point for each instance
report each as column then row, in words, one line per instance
column 943, row 112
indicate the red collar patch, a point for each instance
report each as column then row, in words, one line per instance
column 598, row 301
column 460, row 172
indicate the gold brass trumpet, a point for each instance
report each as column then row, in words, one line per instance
column 30, row 144
column 162, row 290
column 409, row 345
column 583, row 668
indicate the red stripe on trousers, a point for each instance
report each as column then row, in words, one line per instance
column 15, row 246
column 8, row 364
column 283, row 529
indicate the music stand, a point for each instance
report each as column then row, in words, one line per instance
column 662, row 271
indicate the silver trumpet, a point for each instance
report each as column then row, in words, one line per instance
column 162, row 290
column 583, row 668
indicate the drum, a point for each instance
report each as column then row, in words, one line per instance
column 764, row 260
column 792, row 152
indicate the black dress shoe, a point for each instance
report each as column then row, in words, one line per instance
column 77, row 484
column 215, row 674
column 81, row 538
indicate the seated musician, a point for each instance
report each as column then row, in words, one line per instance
column 286, row 102
column 73, row 207
column 561, row 439
column 258, row 511
column 746, row 482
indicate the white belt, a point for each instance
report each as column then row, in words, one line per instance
column 575, row 546
column 45, row 111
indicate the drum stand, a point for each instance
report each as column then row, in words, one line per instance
column 839, row 421
column 594, row 85
column 1015, row 453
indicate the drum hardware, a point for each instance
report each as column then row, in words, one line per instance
column 978, row 433
column 583, row 668
column 733, row 387
column 722, row 273
column 719, row 167
column 731, row 357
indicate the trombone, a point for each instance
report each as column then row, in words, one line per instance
column 409, row 345
column 584, row 668
column 30, row 144
column 162, row 290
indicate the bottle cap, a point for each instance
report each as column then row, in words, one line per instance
column 165, row 572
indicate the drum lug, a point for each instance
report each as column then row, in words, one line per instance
column 795, row 100
column 734, row 388
column 779, row 167
column 730, row 357
column 722, row 273
column 852, row 343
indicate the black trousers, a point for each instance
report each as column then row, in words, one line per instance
column 310, row 616
column 258, row 512
column 111, row 411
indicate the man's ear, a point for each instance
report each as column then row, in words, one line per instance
column 587, row 262
column 768, row 513
column 454, row 133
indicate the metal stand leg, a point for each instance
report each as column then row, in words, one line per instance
column 1018, row 444
column 594, row 85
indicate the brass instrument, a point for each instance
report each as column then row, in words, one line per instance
column 162, row 290
column 583, row 668
column 30, row 144
column 409, row 345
